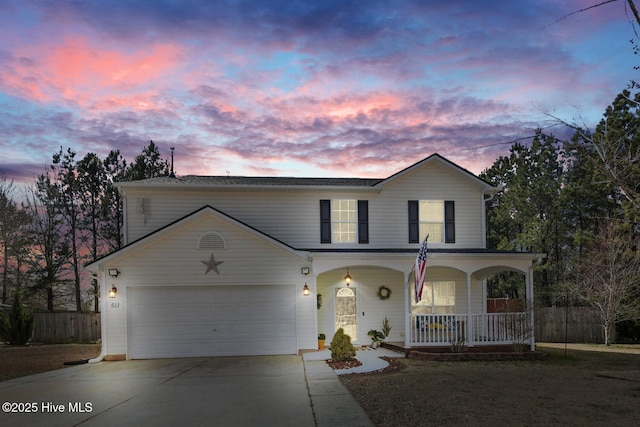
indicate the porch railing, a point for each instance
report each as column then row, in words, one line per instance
column 437, row 329
column 475, row 329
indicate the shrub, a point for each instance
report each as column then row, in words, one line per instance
column 341, row 347
column 16, row 328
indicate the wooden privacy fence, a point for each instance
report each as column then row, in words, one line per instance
column 66, row 327
column 551, row 326
column 572, row 324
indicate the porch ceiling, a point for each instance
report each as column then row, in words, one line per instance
column 481, row 262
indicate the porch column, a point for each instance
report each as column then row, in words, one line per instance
column 407, row 311
column 529, row 308
column 468, row 332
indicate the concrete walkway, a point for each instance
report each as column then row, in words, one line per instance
column 332, row 404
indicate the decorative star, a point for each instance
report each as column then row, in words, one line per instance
column 212, row 264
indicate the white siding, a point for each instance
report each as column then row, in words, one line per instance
column 174, row 259
column 388, row 216
column 292, row 216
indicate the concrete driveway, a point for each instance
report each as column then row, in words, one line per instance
column 224, row 391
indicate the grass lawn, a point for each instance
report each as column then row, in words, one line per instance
column 19, row 361
column 587, row 387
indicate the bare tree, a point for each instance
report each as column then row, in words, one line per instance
column 609, row 279
column 7, row 206
column 13, row 234
column 50, row 254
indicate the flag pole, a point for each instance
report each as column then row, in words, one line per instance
column 409, row 285
column 420, row 263
column 408, row 297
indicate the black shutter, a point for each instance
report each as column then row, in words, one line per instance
column 449, row 221
column 414, row 222
column 325, row 221
column 363, row 221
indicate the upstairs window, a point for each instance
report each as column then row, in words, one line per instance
column 431, row 217
column 344, row 221
column 435, row 218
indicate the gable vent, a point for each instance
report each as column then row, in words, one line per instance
column 212, row 240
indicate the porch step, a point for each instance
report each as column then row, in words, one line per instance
column 471, row 353
column 477, row 356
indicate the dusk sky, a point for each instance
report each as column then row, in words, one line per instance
column 301, row 88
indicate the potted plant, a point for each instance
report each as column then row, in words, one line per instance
column 321, row 339
column 376, row 337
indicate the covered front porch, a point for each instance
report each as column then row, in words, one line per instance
column 453, row 312
column 464, row 317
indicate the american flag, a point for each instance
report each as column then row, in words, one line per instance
column 420, row 267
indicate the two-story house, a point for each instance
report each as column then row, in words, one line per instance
column 228, row 265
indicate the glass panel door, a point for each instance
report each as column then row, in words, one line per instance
column 347, row 312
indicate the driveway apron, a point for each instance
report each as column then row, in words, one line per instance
column 225, row 391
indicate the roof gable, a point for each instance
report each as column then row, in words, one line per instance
column 487, row 188
column 183, row 222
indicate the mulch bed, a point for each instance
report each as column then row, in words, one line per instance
column 393, row 365
column 343, row 364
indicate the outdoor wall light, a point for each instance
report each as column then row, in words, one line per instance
column 347, row 278
column 113, row 292
column 113, row 272
column 306, row 291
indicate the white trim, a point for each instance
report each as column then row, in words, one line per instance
column 469, row 309
column 407, row 309
column 125, row 228
column 483, row 223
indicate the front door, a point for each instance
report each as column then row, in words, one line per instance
column 347, row 312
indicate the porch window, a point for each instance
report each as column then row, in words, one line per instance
column 437, row 298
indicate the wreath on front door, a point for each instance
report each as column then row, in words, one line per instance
column 384, row 292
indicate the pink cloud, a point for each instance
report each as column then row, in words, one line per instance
column 89, row 75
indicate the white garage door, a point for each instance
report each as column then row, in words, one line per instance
column 195, row 321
